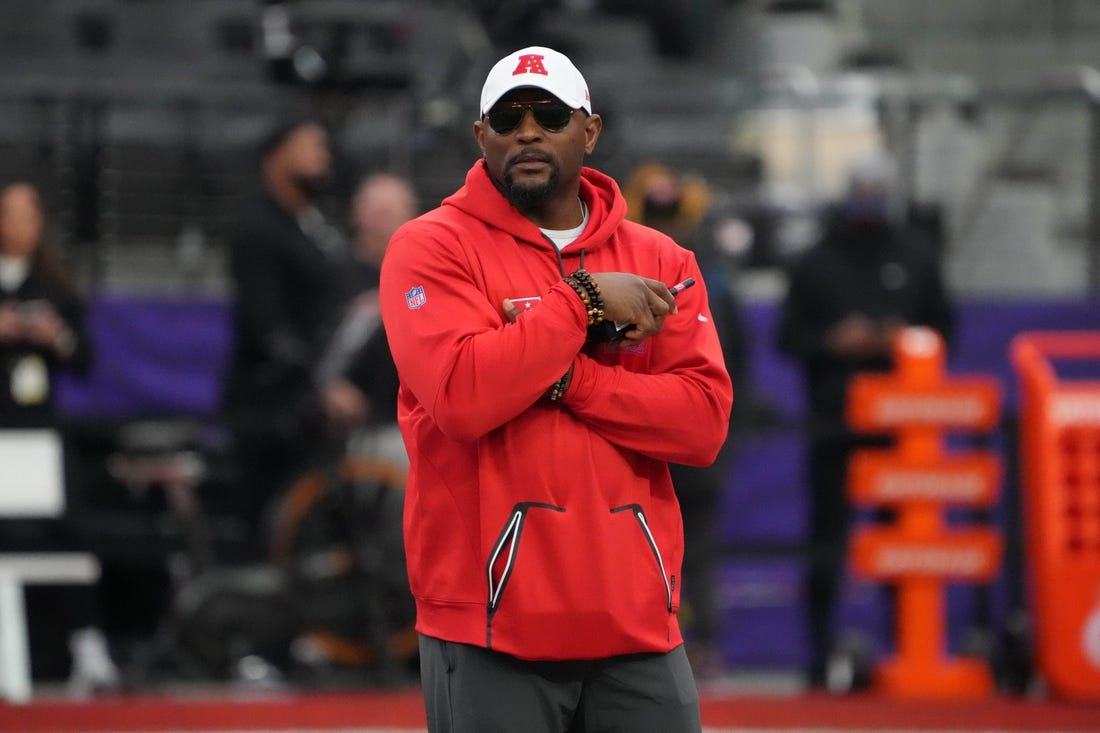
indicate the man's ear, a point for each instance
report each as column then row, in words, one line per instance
column 592, row 127
column 479, row 135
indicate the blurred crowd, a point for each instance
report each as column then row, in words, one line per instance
column 308, row 394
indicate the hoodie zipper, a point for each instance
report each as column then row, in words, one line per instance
column 639, row 515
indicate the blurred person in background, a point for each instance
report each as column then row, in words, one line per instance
column 41, row 312
column 42, row 331
column 363, row 605
column 680, row 206
column 287, row 265
column 358, row 364
column 543, row 535
column 867, row 277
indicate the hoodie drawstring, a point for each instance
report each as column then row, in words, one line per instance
column 561, row 263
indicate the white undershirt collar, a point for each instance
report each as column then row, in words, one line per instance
column 562, row 238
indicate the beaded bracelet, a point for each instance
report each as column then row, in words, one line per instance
column 589, row 292
column 579, row 289
column 557, row 389
column 592, row 312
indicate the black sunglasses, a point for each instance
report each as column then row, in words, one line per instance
column 552, row 116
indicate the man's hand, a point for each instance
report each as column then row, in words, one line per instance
column 627, row 298
column 511, row 310
column 641, row 301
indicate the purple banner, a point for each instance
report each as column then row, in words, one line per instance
column 151, row 358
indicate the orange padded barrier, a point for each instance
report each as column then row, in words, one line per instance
column 918, row 479
column 1060, row 460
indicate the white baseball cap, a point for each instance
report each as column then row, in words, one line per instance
column 536, row 66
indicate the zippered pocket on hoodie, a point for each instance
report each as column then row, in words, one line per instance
column 639, row 516
column 502, row 560
column 564, row 582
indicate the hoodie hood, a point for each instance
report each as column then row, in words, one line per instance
column 481, row 199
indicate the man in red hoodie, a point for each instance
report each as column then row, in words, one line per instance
column 552, row 363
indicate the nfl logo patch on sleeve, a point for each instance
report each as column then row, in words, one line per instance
column 416, row 298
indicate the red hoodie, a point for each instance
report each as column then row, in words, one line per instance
column 544, row 530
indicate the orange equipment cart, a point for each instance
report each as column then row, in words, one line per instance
column 1059, row 430
column 919, row 552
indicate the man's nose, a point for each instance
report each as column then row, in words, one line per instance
column 528, row 127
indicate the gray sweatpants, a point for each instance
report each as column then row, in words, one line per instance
column 468, row 689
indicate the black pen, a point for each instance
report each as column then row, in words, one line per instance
column 681, row 287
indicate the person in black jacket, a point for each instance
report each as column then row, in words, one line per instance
column 42, row 331
column 286, row 263
column 868, row 276
column 41, row 313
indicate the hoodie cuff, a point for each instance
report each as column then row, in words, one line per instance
column 586, row 378
column 576, row 305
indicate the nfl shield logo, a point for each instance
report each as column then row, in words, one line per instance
column 416, row 298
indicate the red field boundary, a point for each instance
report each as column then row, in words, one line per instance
column 403, row 710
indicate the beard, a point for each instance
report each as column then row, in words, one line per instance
column 530, row 196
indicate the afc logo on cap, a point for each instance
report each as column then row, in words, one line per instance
column 531, row 63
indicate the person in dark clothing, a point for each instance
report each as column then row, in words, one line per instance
column 42, row 331
column 41, row 314
column 362, row 503
column 287, row 265
column 846, row 298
